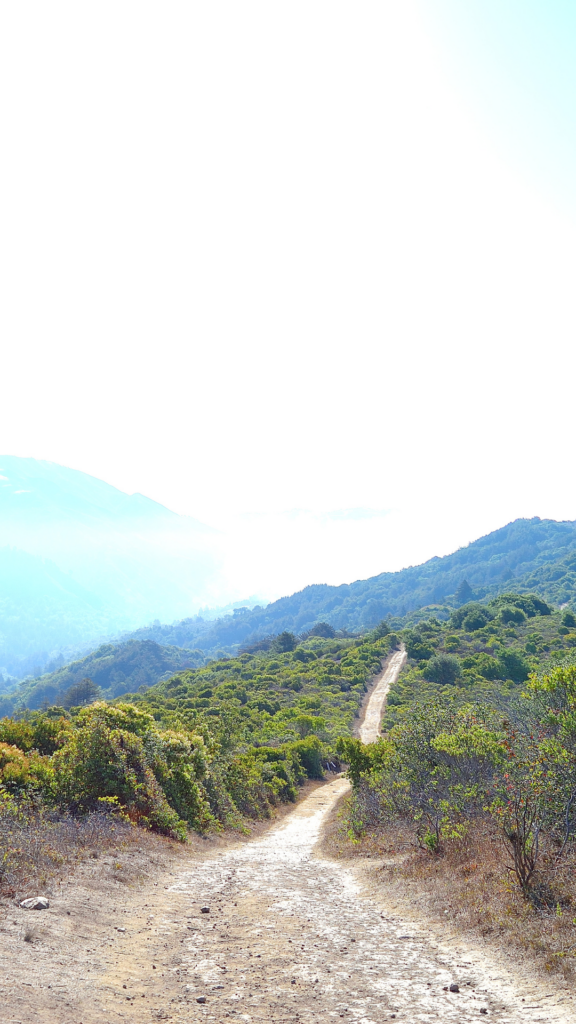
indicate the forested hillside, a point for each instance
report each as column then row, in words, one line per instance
column 483, row 652
column 527, row 555
column 207, row 733
column 201, row 750
column 81, row 563
column 111, row 670
column 522, row 556
column 297, row 689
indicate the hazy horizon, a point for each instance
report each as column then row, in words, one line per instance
column 82, row 563
column 301, row 274
column 250, row 556
column 295, row 258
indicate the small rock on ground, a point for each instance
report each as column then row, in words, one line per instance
column 35, row 903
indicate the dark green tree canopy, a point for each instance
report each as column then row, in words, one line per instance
column 322, row 629
column 444, row 669
column 530, row 604
column 509, row 614
column 285, row 642
column 464, row 594
column 80, row 694
column 471, row 617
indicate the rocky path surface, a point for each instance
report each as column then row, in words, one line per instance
column 265, row 931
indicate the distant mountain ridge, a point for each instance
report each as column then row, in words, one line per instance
column 114, row 668
column 527, row 556
column 80, row 561
column 536, row 555
column 36, row 492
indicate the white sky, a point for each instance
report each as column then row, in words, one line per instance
column 258, row 257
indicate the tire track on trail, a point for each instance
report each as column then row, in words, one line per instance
column 268, row 931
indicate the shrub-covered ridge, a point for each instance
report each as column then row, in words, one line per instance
column 481, row 727
column 202, row 750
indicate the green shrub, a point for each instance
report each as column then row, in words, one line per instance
column 256, row 782
column 39, row 732
column 179, row 764
column 487, row 666
column 513, row 666
column 14, row 768
column 474, row 620
column 444, row 669
column 101, row 761
column 309, row 752
column 471, row 617
column 508, row 614
column 451, row 643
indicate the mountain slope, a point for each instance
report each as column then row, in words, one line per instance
column 114, row 668
column 554, row 581
column 37, row 492
column 527, row 554
column 80, row 560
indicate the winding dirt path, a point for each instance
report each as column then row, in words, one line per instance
column 287, row 937
column 369, row 730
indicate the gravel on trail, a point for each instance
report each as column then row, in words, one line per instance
column 264, row 931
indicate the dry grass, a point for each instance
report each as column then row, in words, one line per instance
column 39, row 849
column 470, row 887
column 36, row 848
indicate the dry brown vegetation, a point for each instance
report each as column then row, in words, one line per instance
column 37, row 849
column 40, row 850
column 470, row 887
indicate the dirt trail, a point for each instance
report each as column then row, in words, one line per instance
column 289, row 937
column 369, row 730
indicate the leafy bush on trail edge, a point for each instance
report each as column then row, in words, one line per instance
column 447, row 764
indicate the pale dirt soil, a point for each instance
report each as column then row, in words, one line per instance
column 290, row 936
column 427, row 898
column 367, row 728
column 470, row 884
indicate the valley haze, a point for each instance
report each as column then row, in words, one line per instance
column 81, row 562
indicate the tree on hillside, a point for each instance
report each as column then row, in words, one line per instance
column 382, row 629
column 80, row 694
column 285, row 642
column 374, row 611
column 471, row 617
column 513, row 666
column 323, row 629
column 464, row 594
column 508, row 615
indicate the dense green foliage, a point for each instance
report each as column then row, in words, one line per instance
column 203, row 749
column 271, row 697
column 489, row 650
column 114, row 669
column 117, row 757
column 481, row 723
column 528, row 555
